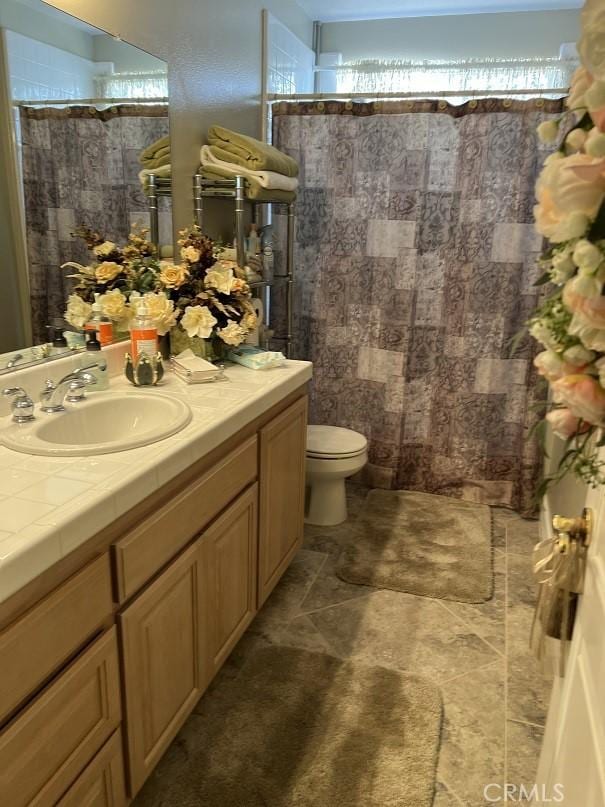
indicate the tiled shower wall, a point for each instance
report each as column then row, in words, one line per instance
column 290, row 61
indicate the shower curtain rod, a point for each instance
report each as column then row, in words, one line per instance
column 92, row 101
column 344, row 96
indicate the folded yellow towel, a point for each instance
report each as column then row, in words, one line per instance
column 161, row 153
column 267, row 179
column 157, row 162
column 249, row 152
column 150, row 152
column 254, row 190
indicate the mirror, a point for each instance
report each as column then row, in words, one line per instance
column 86, row 110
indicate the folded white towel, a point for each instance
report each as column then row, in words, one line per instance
column 267, row 179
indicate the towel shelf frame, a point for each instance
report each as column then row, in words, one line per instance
column 235, row 190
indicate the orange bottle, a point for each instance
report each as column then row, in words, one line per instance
column 99, row 323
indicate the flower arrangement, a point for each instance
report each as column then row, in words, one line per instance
column 206, row 296
column 570, row 213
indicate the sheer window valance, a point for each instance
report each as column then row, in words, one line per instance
column 538, row 75
column 132, row 85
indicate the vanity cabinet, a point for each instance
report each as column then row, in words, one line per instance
column 229, row 549
column 102, row 782
column 162, row 635
column 146, row 620
column 282, row 494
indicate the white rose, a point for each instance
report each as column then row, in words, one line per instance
column 190, row 254
column 591, row 45
column 587, row 256
column 580, row 82
column 562, row 267
column 575, row 140
column 219, row 279
column 78, row 311
column 595, row 143
column 548, row 131
column 198, row 321
column 232, row 334
column 104, row 249
column 115, row 306
column 578, row 355
column 542, row 333
column 161, row 310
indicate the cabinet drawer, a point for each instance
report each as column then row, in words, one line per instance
column 102, row 783
column 144, row 550
column 36, row 645
column 45, row 748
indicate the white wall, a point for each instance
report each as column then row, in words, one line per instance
column 26, row 20
column 290, row 60
column 509, row 35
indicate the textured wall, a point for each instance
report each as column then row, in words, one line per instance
column 463, row 36
column 214, row 59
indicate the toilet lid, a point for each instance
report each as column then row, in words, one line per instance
column 334, row 441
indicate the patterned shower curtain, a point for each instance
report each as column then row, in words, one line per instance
column 415, row 264
column 80, row 167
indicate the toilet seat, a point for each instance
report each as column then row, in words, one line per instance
column 334, row 443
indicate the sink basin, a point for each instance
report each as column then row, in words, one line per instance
column 104, row 423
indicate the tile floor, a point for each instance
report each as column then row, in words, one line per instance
column 494, row 695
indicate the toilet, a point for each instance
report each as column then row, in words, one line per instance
column 333, row 454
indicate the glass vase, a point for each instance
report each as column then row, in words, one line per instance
column 210, row 349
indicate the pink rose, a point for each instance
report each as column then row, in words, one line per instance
column 583, row 297
column 550, row 365
column 565, row 424
column 583, row 395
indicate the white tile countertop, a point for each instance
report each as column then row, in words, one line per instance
column 49, row 506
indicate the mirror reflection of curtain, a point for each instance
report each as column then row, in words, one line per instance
column 80, row 167
column 415, row 258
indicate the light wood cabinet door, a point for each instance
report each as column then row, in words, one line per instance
column 163, row 667
column 282, row 494
column 102, row 783
column 46, row 747
column 229, row 562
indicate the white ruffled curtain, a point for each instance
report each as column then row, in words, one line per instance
column 431, row 77
column 152, row 85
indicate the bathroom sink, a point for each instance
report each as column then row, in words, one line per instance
column 104, row 423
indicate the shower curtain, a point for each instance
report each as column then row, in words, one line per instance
column 415, row 264
column 80, row 167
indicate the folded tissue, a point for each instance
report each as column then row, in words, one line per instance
column 193, row 369
column 255, row 358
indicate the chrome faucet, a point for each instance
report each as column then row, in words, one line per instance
column 70, row 388
column 13, row 360
column 22, row 406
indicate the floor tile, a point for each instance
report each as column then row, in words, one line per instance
column 472, row 747
column 487, row 618
column 522, row 587
column 404, row 632
column 528, row 687
column 285, row 600
column 522, row 535
column 444, row 797
column 523, row 743
column 328, row 589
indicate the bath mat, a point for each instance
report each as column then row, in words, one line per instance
column 301, row 729
column 422, row 544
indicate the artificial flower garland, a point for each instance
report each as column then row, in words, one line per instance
column 570, row 213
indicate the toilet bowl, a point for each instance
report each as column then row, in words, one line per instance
column 333, row 454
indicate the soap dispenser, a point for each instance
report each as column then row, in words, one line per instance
column 100, row 323
column 100, row 372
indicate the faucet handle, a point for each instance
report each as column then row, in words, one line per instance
column 77, row 388
column 22, row 405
